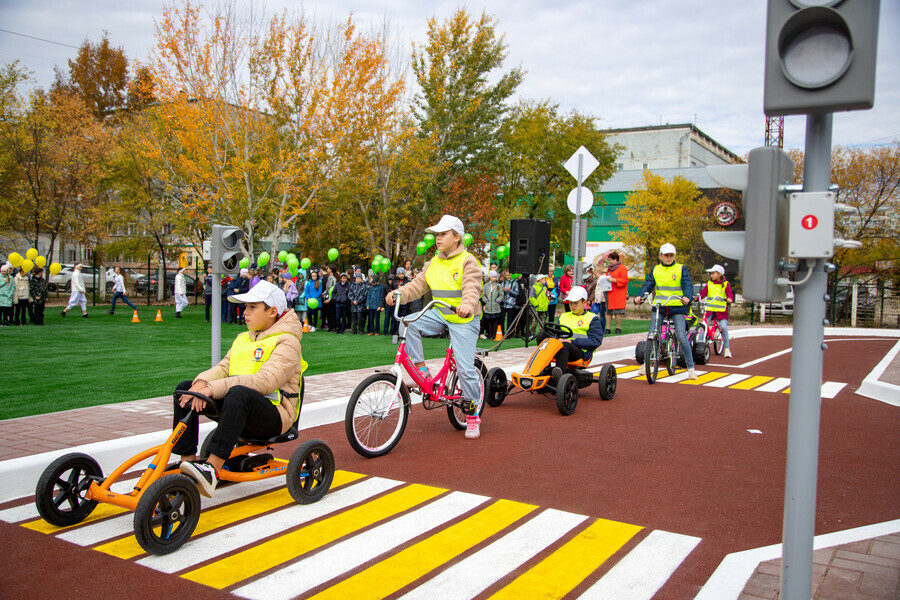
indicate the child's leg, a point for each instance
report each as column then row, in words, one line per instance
column 681, row 335
column 463, row 337
column 187, row 443
column 243, row 408
column 431, row 323
column 723, row 326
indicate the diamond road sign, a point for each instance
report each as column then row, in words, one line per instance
column 589, row 163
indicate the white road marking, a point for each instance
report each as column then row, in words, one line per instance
column 830, row 389
column 204, row 548
column 640, row 573
column 776, row 385
column 727, row 381
column 757, row 431
column 333, row 562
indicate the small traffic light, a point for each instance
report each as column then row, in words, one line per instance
column 226, row 249
column 820, row 56
column 762, row 248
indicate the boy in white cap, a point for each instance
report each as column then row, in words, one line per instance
column 673, row 289
column 181, row 300
column 587, row 334
column 453, row 276
column 257, row 384
column 719, row 295
column 76, row 298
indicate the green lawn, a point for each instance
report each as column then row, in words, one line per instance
column 74, row 362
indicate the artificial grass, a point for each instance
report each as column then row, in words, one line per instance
column 74, row 362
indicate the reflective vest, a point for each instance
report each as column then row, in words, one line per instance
column 579, row 324
column 248, row 356
column 444, row 277
column 715, row 296
column 668, row 284
column 539, row 299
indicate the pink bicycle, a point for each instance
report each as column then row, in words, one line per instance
column 379, row 408
column 713, row 332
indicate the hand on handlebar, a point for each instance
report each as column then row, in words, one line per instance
column 390, row 300
column 197, row 404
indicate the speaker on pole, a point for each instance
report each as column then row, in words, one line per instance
column 529, row 246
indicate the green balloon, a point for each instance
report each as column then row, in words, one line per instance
column 293, row 262
column 282, row 256
column 377, row 258
column 263, row 259
column 245, row 262
column 385, row 265
column 428, row 239
column 293, row 270
column 333, row 254
column 421, row 247
column 305, row 263
column 313, row 303
column 467, row 239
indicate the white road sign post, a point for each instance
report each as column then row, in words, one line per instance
column 580, row 165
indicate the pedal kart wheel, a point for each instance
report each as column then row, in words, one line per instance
column 376, row 417
column 567, row 394
column 607, row 382
column 639, row 351
column 496, row 387
column 701, row 353
column 310, row 471
column 167, row 514
column 59, row 494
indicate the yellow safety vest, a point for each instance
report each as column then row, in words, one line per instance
column 444, row 277
column 248, row 356
column 715, row 296
column 579, row 324
column 539, row 300
column 668, row 284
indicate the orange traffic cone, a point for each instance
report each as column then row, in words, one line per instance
column 134, row 318
column 499, row 335
column 305, row 325
column 158, row 315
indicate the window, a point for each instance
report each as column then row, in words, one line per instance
column 620, row 166
column 644, row 167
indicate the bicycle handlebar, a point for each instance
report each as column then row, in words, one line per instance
column 430, row 305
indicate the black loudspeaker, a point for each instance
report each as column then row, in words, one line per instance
column 529, row 246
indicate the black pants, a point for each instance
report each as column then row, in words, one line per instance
column 38, row 311
column 21, row 310
column 243, row 409
column 356, row 319
column 313, row 316
column 6, row 315
column 566, row 354
column 208, row 301
column 341, row 316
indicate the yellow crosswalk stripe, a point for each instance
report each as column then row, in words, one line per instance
column 787, row 390
column 705, row 378
column 261, row 557
column 403, row 568
column 226, row 515
column 100, row 512
column 627, row 369
column 559, row 573
column 663, row 373
column 752, row 382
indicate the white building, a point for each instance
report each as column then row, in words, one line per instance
column 667, row 147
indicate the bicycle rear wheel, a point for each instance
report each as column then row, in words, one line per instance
column 376, row 417
column 652, row 359
column 454, row 413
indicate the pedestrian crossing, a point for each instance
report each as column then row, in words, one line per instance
column 372, row 538
column 734, row 381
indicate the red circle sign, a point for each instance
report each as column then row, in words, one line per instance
column 809, row 222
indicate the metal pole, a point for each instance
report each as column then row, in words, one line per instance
column 806, row 388
column 576, row 225
column 215, row 319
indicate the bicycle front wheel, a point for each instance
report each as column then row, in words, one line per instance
column 672, row 355
column 718, row 340
column 651, row 355
column 376, row 415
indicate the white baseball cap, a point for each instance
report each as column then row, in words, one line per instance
column 667, row 249
column 447, row 223
column 576, row 293
column 266, row 292
column 540, row 277
column 717, row 269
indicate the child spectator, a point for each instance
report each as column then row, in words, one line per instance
column 7, row 286
column 37, row 287
column 341, row 300
column 21, row 298
column 374, row 303
column 357, row 297
column 491, row 299
column 313, row 291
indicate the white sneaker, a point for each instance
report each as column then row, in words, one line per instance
column 642, row 371
column 727, row 353
column 692, row 374
column 473, row 427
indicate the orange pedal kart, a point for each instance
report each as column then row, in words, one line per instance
column 165, row 502
column 538, row 375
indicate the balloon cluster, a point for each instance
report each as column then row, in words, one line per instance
column 380, row 264
column 31, row 260
column 503, row 251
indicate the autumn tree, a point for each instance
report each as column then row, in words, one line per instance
column 661, row 211
column 458, row 110
column 98, row 75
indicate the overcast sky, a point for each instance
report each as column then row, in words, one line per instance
column 627, row 62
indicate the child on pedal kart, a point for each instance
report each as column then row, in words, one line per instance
column 674, row 289
column 257, row 384
column 455, row 277
column 719, row 295
column 587, row 333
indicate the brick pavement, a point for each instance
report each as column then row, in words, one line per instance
column 865, row 570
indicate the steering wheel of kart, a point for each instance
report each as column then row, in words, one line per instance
column 558, row 331
column 212, row 410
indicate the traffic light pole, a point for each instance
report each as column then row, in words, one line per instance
column 215, row 319
column 806, row 387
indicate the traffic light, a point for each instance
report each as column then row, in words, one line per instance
column 226, row 249
column 762, row 248
column 820, row 56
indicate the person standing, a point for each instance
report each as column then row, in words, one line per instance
column 601, row 288
column 617, row 297
column 357, row 296
column 207, row 291
column 374, row 303
column 7, row 286
column 341, row 301
column 510, row 289
column 119, row 290
column 565, row 285
column 538, row 298
column 181, row 300
column 21, row 298
column 37, row 287
column 491, row 299
column 313, row 291
column 77, row 296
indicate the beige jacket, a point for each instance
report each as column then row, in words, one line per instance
column 472, row 283
column 280, row 372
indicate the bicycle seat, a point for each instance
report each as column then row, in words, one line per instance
column 289, row 435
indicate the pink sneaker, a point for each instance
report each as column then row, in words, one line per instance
column 473, row 427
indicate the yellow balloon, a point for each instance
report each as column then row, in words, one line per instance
column 27, row 265
column 31, row 254
column 40, row 261
column 15, row 259
column 55, row 268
